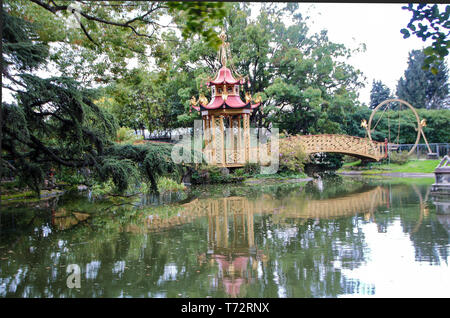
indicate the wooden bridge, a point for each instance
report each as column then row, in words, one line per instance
column 343, row 144
column 238, row 154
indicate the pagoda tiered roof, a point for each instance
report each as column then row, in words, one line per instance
column 224, row 76
column 231, row 102
column 224, row 92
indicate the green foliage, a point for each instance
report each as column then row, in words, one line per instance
column 70, row 176
column 421, row 88
column 17, row 49
column 97, row 49
column 399, row 157
column 151, row 159
column 101, row 189
column 379, row 93
column 429, row 22
column 350, row 160
column 323, row 162
column 54, row 124
column 292, row 155
column 207, row 174
column 126, row 135
column 435, row 131
column 121, row 171
column 240, row 172
column 197, row 15
column 251, row 168
column 167, row 184
column 306, row 87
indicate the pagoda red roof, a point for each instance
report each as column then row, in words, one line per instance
column 232, row 101
column 225, row 77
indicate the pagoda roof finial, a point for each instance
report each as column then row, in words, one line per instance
column 223, row 50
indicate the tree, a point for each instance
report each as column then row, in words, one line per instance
column 54, row 123
column 94, row 41
column 420, row 88
column 428, row 22
column 305, row 87
column 379, row 93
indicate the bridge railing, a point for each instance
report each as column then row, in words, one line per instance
column 344, row 144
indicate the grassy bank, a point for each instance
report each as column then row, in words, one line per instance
column 412, row 166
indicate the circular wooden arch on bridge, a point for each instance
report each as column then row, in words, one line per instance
column 419, row 127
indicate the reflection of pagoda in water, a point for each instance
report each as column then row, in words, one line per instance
column 231, row 243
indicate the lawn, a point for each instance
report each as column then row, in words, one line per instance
column 412, row 166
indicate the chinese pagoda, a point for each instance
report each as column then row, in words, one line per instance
column 226, row 118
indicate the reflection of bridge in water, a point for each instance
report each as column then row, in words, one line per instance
column 294, row 207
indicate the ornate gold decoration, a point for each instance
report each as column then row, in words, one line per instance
column 248, row 97
column 194, row 101
column 223, row 50
column 224, row 96
column 364, row 123
column 203, row 100
column 423, row 123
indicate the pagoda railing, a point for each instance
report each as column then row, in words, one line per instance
column 237, row 157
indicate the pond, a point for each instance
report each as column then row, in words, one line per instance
column 337, row 237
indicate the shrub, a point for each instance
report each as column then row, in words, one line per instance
column 212, row 174
column 349, row 159
column 399, row 157
column 126, row 135
column 251, row 168
column 167, row 184
column 292, row 155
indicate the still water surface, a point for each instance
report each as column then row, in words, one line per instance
column 341, row 237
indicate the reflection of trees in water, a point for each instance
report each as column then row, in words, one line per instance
column 411, row 205
column 335, row 186
column 318, row 246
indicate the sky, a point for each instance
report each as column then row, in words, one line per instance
column 377, row 25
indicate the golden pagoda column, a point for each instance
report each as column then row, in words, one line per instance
column 222, row 138
column 205, row 129
column 239, row 117
column 233, row 138
column 213, row 140
column 247, row 137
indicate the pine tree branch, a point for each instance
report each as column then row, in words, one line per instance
column 126, row 24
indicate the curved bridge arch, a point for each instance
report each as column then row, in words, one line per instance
column 344, row 144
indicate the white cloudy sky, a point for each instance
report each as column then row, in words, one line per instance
column 377, row 25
